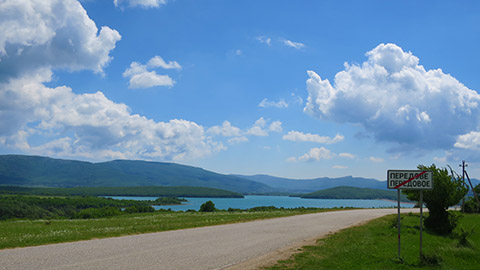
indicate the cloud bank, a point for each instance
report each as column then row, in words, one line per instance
column 394, row 98
column 39, row 37
column 51, row 35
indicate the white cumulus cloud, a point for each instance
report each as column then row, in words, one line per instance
column 149, row 79
column 293, row 44
column 260, row 127
column 279, row 104
column 140, row 3
column 226, row 130
column 92, row 126
column 276, row 126
column 158, row 61
column 316, row 154
column 39, row 37
column 394, row 98
column 469, row 141
column 51, row 34
column 141, row 77
column 298, row 136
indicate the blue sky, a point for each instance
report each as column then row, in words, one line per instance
column 297, row 89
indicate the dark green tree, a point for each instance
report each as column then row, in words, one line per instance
column 208, row 206
column 447, row 191
column 471, row 205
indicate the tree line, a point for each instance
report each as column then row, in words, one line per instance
column 36, row 207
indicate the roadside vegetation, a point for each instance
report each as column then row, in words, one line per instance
column 71, row 207
column 471, row 204
column 374, row 246
column 451, row 240
column 447, row 191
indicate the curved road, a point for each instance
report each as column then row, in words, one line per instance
column 215, row 247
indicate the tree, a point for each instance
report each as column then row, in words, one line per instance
column 208, row 206
column 447, row 191
column 471, row 204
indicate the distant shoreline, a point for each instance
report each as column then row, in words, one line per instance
column 395, row 201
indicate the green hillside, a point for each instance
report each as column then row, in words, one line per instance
column 354, row 193
column 149, row 191
column 20, row 170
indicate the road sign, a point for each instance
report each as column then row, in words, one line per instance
column 406, row 179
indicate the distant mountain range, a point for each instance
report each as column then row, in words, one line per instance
column 36, row 171
column 311, row 185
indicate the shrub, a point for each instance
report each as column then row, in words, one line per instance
column 471, row 206
column 463, row 236
column 208, row 206
column 139, row 209
column 98, row 212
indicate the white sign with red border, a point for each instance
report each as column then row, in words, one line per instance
column 409, row 179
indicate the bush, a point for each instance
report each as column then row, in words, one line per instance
column 98, row 212
column 471, row 206
column 430, row 260
column 441, row 222
column 463, row 238
column 139, row 209
column 208, row 206
column 263, row 209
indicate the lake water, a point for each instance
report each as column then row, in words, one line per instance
column 277, row 201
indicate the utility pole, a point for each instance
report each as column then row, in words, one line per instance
column 463, row 165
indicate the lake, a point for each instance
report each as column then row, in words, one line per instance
column 277, row 201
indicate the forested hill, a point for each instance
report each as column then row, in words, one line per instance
column 354, row 193
column 148, row 191
column 20, row 170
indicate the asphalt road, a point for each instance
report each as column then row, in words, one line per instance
column 215, row 247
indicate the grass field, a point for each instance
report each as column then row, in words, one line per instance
column 374, row 246
column 21, row 233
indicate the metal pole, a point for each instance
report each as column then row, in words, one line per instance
column 421, row 222
column 471, row 186
column 398, row 225
column 463, row 179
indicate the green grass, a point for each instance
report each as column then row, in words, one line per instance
column 374, row 246
column 21, row 233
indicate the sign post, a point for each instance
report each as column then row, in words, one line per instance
column 398, row 222
column 416, row 180
column 421, row 222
